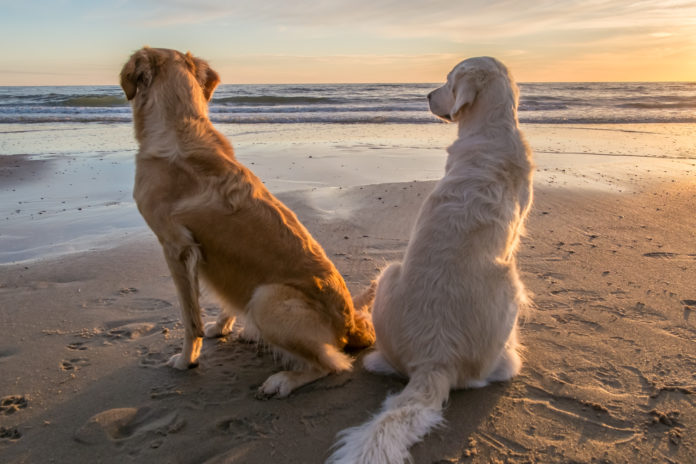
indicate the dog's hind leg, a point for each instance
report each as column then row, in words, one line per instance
column 384, row 291
column 221, row 327
column 375, row 362
column 183, row 265
column 281, row 384
column 506, row 366
column 509, row 363
column 285, row 320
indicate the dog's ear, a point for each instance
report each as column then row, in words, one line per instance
column 465, row 88
column 205, row 75
column 210, row 82
column 136, row 73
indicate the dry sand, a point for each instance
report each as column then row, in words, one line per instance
column 610, row 348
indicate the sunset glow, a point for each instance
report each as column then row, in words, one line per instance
column 76, row 42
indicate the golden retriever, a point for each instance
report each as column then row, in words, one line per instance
column 215, row 220
column 446, row 315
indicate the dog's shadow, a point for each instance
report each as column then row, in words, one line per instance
column 466, row 414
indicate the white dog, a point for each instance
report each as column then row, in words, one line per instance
column 446, row 316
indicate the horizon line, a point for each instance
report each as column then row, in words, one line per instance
column 376, row 82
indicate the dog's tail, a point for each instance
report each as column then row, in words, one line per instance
column 362, row 333
column 404, row 420
column 363, row 302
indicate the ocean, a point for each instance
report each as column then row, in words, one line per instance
column 542, row 103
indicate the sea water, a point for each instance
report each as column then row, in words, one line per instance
column 546, row 103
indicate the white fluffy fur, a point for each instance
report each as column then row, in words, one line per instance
column 446, row 316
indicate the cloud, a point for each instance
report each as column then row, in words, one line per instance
column 538, row 37
column 437, row 18
column 356, row 68
column 541, row 35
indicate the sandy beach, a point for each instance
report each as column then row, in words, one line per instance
column 89, row 314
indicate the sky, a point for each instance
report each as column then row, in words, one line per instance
column 79, row 42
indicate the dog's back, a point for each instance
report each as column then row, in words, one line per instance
column 215, row 219
column 446, row 315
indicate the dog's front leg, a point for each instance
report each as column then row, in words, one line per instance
column 183, row 264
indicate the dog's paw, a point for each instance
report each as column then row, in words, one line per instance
column 213, row 330
column 276, row 386
column 377, row 364
column 179, row 362
column 474, row 383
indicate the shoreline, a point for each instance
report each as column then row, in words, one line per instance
column 64, row 202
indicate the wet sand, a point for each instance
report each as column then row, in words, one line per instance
column 610, row 363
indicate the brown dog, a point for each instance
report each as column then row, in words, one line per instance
column 215, row 219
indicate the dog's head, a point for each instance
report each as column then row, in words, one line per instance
column 151, row 66
column 467, row 83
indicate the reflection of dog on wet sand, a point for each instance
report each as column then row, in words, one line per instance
column 446, row 316
column 216, row 220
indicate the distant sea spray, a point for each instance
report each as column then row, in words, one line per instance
column 547, row 103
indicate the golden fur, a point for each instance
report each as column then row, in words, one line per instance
column 215, row 220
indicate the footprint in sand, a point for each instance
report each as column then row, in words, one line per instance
column 125, row 330
column 127, row 290
column 591, row 420
column 670, row 256
column 115, row 331
column 668, row 418
column 248, row 428
column 12, row 403
column 667, row 423
column 103, row 302
column 151, row 358
column 659, row 254
column 613, row 379
column 76, row 346
column 7, row 351
column 165, row 391
column 121, row 424
column 147, row 304
column 74, row 364
column 10, row 433
column 124, row 298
